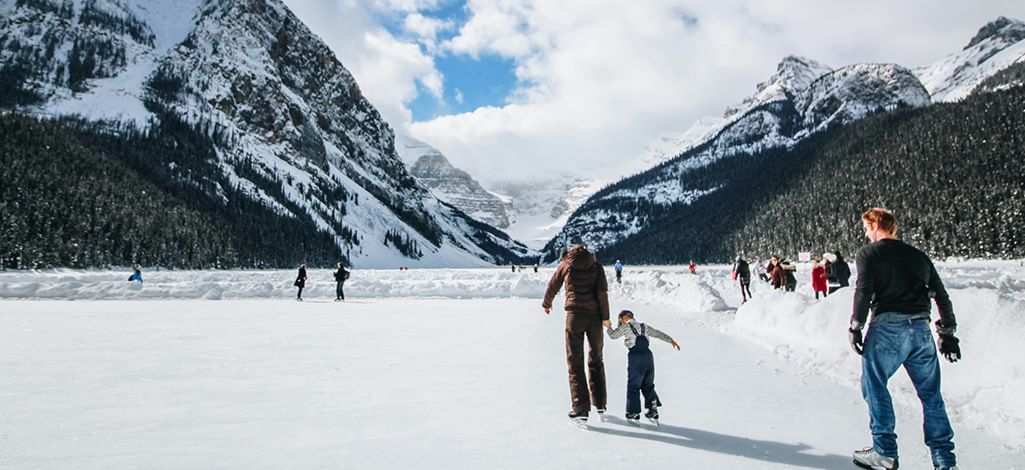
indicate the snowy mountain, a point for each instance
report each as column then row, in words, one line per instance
column 785, row 109
column 801, row 99
column 531, row 212
column 450, row 184
column 793, row 74
column 997, row 45
column 541, row 207
column 289, row 122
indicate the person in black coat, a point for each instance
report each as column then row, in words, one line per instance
column 742, row 274
column 300, row 281
column 789, row 279
column 838, row 273
column 340, row 276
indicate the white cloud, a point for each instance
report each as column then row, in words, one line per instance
column 408, row 6
column 426, row 29
column 459, row 96
column 599, row 79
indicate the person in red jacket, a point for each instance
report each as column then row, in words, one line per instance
column 818, row 278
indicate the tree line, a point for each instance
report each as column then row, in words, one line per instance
column 950, row 172
column 86, row 194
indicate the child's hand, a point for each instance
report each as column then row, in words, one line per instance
column 676, row 345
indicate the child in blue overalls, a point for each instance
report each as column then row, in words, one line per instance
column 640, row 365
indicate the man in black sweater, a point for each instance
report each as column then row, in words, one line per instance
column 896, row 281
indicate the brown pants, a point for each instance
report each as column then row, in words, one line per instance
column 579, row 326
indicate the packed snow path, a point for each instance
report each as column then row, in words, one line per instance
column 402, row 383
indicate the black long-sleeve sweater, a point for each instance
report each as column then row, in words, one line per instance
column 896, row 277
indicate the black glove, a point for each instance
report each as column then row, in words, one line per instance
column 854, row 337
column 949, row 347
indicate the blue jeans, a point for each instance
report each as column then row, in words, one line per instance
column 889, row 345
column 338, row 290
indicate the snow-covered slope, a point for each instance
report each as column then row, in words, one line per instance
column 290, row 123
column 541, row 207
column 793, row 75
column 996, row 46
column 801, row 98
column 853, row 92
column 451, row 184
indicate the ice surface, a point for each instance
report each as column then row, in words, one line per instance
column 460, row 368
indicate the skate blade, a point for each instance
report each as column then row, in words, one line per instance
column 579, row 423
column 869, row 467
column 634, row 422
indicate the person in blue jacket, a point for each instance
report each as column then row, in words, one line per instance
column 619, row 271
column 136, row 275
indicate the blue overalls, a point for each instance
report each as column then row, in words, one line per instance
column 640, row 374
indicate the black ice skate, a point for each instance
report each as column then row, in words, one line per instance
column 652, row 415
column 578, row 420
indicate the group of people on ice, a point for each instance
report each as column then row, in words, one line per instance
column 894, row 290
column 341, row 275
column 826, row 277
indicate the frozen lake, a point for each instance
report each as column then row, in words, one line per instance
column 462, row 369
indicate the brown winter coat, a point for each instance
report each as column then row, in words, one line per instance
column 587, row 289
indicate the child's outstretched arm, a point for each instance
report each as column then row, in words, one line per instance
column 656, row 333
column 616, row 333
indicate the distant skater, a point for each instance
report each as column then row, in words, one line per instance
column 693, row 268
column 640, row 365
column 341, row 275
column 136, row 275
column 619, row 271
column 789, row 278
column 300, row 281
column 742, row 274
column 818, row 278
column 838, row 273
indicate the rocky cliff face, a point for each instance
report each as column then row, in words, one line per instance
column 452, row 185
column 290, row 124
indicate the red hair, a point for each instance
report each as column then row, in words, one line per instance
column 881, row 218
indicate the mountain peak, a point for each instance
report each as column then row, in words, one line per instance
column 1003, row 27
column 793, row 75
column 795, row 62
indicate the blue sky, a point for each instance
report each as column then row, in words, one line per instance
column 469, row 82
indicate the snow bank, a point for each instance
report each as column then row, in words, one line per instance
column 690, row 294
column 983, row 391
column 180, row 285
